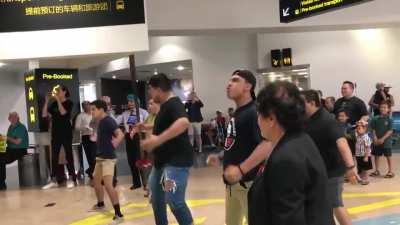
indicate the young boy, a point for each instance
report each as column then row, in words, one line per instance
column 382, row 133
column 363, row 151
column 343, row 118
column 109, row 136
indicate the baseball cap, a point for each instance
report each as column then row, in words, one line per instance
column 250, row 78
column 131, row 98
column 362, row 123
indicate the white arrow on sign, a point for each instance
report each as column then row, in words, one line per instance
column 286, row 12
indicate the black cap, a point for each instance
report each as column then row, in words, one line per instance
column 250, row 78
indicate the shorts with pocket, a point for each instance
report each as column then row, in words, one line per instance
column 380, row 151
column 104, row 167
column 362, row 165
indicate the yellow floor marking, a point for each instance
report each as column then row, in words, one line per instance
column 106, row 217
column 374, row 206
column 367, row 195
column 203, row 202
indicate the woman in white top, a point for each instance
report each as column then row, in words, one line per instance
column 85, row 125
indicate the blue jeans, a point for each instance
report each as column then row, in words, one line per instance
column 168, row 186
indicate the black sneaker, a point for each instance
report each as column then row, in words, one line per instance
column 134, row 187
column 3, row 187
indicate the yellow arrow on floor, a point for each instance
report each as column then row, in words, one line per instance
column 106, row 217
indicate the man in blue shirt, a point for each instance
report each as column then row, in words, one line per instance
column 109, row 137
column 17, row 144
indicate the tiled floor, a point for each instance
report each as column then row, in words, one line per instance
column 375, row 204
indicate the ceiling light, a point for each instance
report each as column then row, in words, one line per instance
column 299, row 70
column 156, row 71
column 114, row 77
column 180, row 68
column 303, row 73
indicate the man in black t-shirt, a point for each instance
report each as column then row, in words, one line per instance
column 109, row 136
column 193, row 108
column 61, row 134
column 173, row 154
column 330, row 139
column 354, row 106
column 243, row 151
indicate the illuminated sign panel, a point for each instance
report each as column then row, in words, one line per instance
column 32, row 15
column 34, row 29
column 291, row 10
column 42, row 82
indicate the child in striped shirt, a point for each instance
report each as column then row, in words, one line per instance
column 363, row 151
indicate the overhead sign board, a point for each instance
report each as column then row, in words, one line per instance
column 31, row 15
column 33, row 29
column 291, row 10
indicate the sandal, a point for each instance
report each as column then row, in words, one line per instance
column 389, row 175
column 375, row 173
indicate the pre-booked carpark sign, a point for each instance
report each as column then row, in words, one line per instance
column 42, row 82
column 31, row 15
column 291, row 10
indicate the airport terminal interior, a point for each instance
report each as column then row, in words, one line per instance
column 134, row 99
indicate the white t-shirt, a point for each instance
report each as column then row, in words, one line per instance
column 82, row 124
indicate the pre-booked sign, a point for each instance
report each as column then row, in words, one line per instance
column 42, row 82
column 31, row 15
column 291, row 10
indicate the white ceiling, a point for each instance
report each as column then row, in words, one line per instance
column 21, row 66
column 146, row 71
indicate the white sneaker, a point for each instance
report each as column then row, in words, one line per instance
column 71, row 184
column 117, row 220
column 52, row 184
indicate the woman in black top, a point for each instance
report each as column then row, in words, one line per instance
column 59, row 111
column 292, row 188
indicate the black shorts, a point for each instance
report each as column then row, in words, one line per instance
column 363, row 166
column 381, row 150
